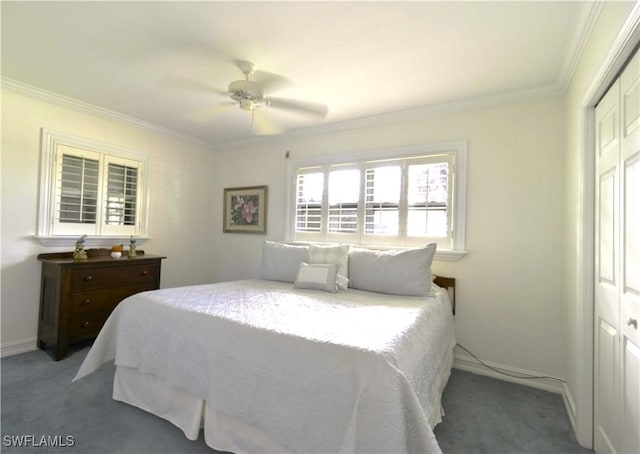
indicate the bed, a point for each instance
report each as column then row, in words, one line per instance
column 271, row 365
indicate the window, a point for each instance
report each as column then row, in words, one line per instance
column 90, row 188
column 401, row 198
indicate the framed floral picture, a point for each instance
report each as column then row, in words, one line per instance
column 245, row 210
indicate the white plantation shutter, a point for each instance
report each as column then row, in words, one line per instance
column 76, row 191
column 344, row 194
column 88, row 188
column 121, row 196
column 427, row 200
column 122, row 182
column 402, row 201
column 309, row 189
column 383, row 187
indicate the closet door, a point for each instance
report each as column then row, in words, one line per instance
column 607, row 251
column 630, row 254
column 617, row 266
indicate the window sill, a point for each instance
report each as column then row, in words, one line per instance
column 92, row 241
column 449, row 255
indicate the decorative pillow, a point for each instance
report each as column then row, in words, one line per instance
column 338, row 254
column 331, row 254
column 317, row 277
column 398, row 272
column 281, row 261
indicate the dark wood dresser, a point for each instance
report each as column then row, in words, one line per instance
column 76, row 297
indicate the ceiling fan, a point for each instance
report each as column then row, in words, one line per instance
column 251, row 96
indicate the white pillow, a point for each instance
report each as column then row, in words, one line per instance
column 335, row 254
column 281, row 261
column 398, row 272
column 317, row 277
column 331, row 254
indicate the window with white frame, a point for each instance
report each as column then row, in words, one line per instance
column 400, row 198
column 91, row 188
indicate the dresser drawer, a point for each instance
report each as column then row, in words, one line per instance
column 103, row 299
column 90, row 278
column 86, row 326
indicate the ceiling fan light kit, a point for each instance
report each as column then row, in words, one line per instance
column 248, row 94
column 246, row 105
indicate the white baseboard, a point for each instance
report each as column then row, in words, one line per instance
column 20, row 346
column 470, row 364
column 570, row 405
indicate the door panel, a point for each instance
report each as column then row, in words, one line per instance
column 630, row 397
column 607, row 228
column 608, row 127
column 607, row 427
column 606, row 291
column 630, row 256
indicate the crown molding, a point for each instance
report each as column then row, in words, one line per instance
column 587, row 18
column 91, row 109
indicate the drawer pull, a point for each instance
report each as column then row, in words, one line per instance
column 87, row 278
column 85, row 302
column 85, row 324
column 144, row 273
column 632, row 322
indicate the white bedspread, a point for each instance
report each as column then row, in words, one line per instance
column 349, row 372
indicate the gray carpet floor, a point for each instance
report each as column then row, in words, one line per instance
column 483, row 415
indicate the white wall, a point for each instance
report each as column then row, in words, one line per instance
column 510, row 297
column 578, row 307
column 179, row 215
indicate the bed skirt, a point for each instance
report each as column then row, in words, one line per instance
column 189, row 413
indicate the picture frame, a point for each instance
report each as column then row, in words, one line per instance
column 245, row 210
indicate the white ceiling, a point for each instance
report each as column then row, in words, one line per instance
column 361, row 59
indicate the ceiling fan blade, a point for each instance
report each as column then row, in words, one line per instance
column 304, row 107
column 208, row 112
column 190, row 84
column 263, row 124
column 268, row 81
column 271, row 82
